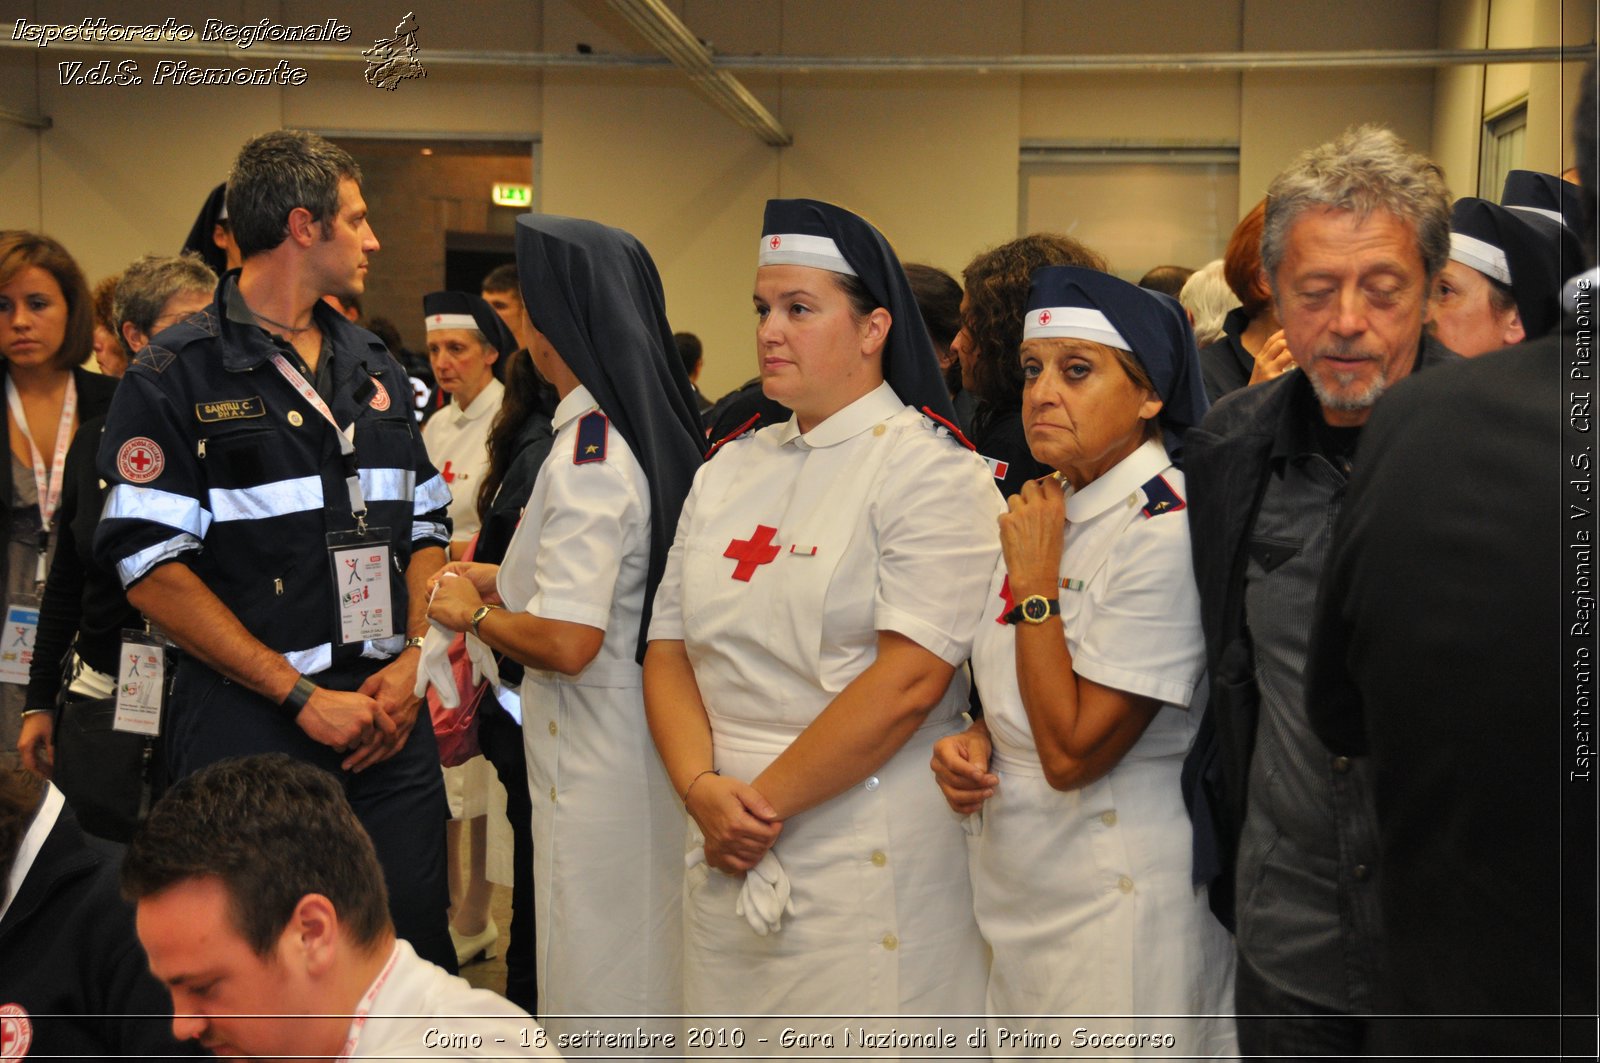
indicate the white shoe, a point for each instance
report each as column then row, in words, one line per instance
column 480, row 946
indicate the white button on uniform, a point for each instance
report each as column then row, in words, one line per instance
column 872, row 783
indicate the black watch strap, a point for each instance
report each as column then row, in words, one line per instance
column 1034, row 609
column 299, row 694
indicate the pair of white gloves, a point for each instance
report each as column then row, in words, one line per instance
column 764, row 898
column 435, row 669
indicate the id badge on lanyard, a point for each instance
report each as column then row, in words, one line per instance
column 363, row 583
column 16, row 644
column 141, row 680
column 359, row 560
column 22, row 614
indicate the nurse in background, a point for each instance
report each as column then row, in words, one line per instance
column 466, row 341
column 1086, row 664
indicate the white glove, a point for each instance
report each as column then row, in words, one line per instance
column 434, row 667
column 764, row 899
column 483, row 662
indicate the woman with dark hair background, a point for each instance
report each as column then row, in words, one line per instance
column 46, row 331
column 991, row 330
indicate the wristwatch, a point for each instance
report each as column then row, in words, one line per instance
column 478, row 614
column 1034, row 609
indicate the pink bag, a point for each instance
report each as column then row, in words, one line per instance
column 457, row 729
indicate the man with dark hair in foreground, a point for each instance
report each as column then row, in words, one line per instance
column 258, row 894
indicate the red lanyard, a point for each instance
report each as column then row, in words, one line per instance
column 365, row 1007
column 47, row 483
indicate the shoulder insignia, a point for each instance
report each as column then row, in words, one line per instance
column 996, row 466
column 155, row 359
column 960, row 437
column 1160, row 498
column 590, row 445
column 745, row 429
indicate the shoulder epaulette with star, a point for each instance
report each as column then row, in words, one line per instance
column 590, row 446
column 1160, row 498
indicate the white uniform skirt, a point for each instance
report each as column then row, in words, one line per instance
column 607, row 850
column 1084, row 897
column 882, row 922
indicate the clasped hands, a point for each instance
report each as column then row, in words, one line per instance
column 739, row 824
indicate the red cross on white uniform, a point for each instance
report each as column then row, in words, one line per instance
column 1044, row 317
column 775, row 242
column 753, row 552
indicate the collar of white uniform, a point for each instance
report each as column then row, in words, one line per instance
column 483, row 404
column 577, row 403
column 873, row 408
column 44, row 821
column 1120, row 481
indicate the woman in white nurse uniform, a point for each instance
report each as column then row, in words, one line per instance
column 1086, row 666
column 575, row 585
column 466, row 340
column 824, row 586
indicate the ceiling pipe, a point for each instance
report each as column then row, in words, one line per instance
column 666, row 31
column 1199, row 62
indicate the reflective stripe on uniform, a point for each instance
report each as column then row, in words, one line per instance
column 131, row 502
column 435, row 494
column 133, row 567
column 299, row 495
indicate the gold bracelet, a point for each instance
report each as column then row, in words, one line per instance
column 690, row 788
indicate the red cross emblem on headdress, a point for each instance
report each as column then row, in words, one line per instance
column 438, row 319
column 1044, row 317
column 775, row 242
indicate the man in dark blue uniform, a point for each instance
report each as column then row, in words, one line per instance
column 272, row 508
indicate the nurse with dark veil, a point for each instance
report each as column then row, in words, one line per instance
column 1087, row 662
column 571, row 602
column 823, row 590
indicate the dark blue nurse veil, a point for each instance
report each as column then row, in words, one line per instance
column 910, row 366
column 1533, row 257
column 1155, row 330
column 595, row 294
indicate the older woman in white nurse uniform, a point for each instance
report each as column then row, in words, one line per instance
column 824, row 586
column 1086, row 666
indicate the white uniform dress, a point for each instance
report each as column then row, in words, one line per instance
column 875, row 520
column 607, row 825
column 458, row 445
column 1085, row 896
column 421, row 1012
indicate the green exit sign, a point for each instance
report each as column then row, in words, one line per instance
column 509, row 195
